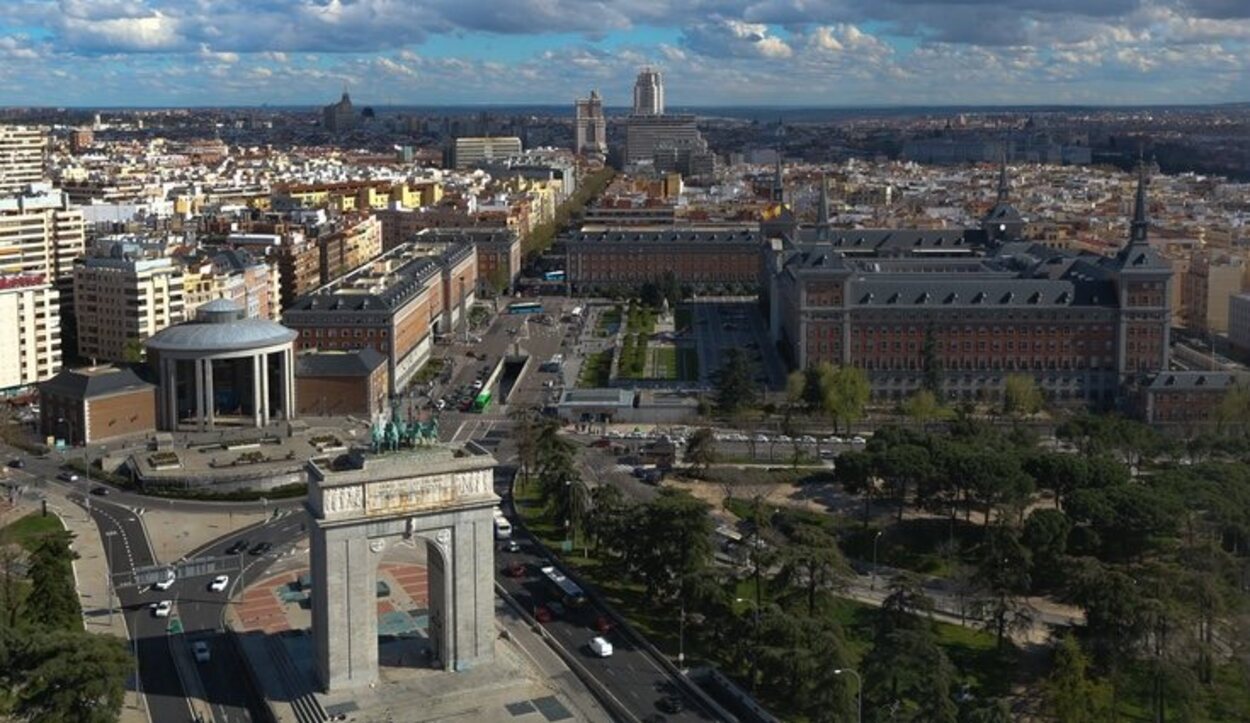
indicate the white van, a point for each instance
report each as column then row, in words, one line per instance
column 503, row 528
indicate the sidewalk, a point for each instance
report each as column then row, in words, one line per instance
column 91, row 577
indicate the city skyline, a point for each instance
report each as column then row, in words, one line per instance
column 714, row 52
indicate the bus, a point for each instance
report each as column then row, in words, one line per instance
column 482, row 401
column 557, row 275
column 571, row 593
column 503, row 528
column 525, row 307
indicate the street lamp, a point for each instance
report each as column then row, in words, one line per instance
column 877, row 537
column 859, row 693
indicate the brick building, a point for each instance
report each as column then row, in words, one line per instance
column 703, row 257
column 348, row 245
column 498, row 253
column 394, row 304
column 93, row 404
column 985, row 306
column 338, row 383
column 1185, row 398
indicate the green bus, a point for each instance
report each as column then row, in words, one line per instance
column 482, row 401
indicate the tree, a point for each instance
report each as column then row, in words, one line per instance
column 903, row 466
column 132, row 351
column 701, row 450
column 1002, row 576
column 52, row 602
column 1127, row 518
column 73, row 676
column 855, row 471
column 1021, row 397
column 525, row 428
column 609, row 517
column 813, row 393
column 796, row 656
column 923, row 407
column 735, row 386
column 672, row 542
column 906, row 671
column 811, row 561
column 846, row 393
column 1071, row 695
column 1046, row 538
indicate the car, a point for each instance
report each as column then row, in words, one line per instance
column 100, row 491
column 200, row 649
column 835, row 439
column 600, row 647
column 17, row 463
column 166, row 582
column 67, row 477
column 511, row 546
column 260, row 548
column 440, row 404
column 671, row 704
column 556, row 608
column 783, row 438
column 808, row 439
column 827, row 454
column 761, row 438
column 543, row 614
column 162, row 609
column 515, row 569
column 238, row 547
column 603, row 624
column 219, row 583
column 858, row 440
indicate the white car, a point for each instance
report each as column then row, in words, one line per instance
column 165, row 583
column 784, row 438
column 858, row 440
column 200, row 649
column 808, row 439
column 162, row 608
column 834, row 440
column 761, row 438
column 600, row 647
column 219, row 583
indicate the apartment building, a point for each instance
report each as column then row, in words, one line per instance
column 1211, row 281
column 471, row 151
column 347, row 244
column 31, row 320
column 22, row 155
column 122, row 301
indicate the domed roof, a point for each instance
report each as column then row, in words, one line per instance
column 219, row 327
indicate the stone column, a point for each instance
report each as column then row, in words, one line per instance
column 208, row 391
column 264, row 388
column 288, row 383
column 257, row 402
column 200, row 419
column 344, row 607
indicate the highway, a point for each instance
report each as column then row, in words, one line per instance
column 631, row 674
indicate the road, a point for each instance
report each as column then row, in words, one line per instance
column 632, row 674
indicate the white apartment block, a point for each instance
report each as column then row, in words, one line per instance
column 22, row 151
column 31, row 320
column 471, row 151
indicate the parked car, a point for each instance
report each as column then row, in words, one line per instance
column 219, row 583
column 858, row 440
column 200, row 649
column 162, row 609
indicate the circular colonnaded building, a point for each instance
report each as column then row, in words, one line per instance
column 223, row 369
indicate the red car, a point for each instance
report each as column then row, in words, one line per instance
column 604, row 624
column 542, row 614
column 515, row 569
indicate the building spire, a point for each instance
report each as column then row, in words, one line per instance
column 1141, row 223
column 1003, row 186
column 822, row 209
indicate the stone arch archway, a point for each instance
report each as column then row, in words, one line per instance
column 442, row 496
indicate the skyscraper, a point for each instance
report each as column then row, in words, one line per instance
column 649, row 92
column 339, row 117
column 21, row 158
column 591, row 127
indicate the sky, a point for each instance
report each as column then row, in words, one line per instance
column 712, row 52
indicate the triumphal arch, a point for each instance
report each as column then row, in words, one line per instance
column 364, row 501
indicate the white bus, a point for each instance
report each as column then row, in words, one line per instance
column 503, row 528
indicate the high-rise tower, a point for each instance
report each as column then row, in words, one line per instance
column 649, row 92
column 21, row 158
column 591, row 127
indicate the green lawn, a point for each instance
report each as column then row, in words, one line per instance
column 665, row 359
column 609, row 321
column 641, row 320
column 429, row 371
column 596, row 370
column 25, row 530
